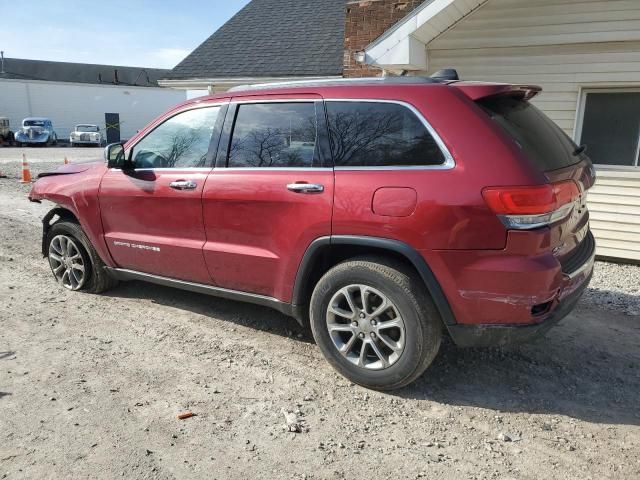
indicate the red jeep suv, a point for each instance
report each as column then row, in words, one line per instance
column 383, row 212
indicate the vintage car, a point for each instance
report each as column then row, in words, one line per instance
column 86, row 134
column 6, row 135
column 36, row 131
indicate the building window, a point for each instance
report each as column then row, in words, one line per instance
column 610, row 126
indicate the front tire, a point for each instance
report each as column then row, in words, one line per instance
column 375, row 323
column 74, row 262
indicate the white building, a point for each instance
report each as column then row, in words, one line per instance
column 120, row 100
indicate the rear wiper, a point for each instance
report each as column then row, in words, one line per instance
column 579, row 150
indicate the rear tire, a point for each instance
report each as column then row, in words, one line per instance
column 375, row 322
column 71, row 252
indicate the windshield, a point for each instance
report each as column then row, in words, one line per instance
column 86, row 128
column 540, row 139
column 33, row 123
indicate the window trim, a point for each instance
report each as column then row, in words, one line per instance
column 449, row 161
column 322, row 135
column 215, row 134
column 579, row 124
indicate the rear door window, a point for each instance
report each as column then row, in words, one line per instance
column 546, row 144
column 275, row 135
column 379, row 134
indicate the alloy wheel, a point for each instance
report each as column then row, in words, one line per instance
column 66, row 262
column 366, row 327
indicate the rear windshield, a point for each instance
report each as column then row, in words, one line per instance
column 541, row 140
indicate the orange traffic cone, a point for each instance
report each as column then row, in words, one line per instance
column 26, row 173
column 66, row 162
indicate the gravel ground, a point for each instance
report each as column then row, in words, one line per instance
column 616, row 287
column 9, row 155
column 91, row 386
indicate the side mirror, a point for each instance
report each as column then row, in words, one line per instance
column 114, row 155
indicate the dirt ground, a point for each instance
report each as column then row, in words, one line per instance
column 91, row 386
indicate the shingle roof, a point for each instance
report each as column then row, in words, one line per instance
column 270, row 38
column 22, row 69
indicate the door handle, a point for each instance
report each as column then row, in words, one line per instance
column 306, row 187
column 183, row 185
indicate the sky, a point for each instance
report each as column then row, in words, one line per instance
column 139, row 33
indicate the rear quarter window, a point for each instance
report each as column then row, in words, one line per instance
column 542, row 141
column 379, row 134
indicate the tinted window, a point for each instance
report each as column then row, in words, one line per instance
column 542, row 141
column 376, row 134
column 611, row 127
column 180, row 142
column 274, row 135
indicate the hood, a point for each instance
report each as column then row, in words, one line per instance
column 72, row 168
column 57, row 185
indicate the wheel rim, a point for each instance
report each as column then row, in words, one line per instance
column 66, row 262
column 366, row 327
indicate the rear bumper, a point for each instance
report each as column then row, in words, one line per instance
column 514, row 334
column 513, row 295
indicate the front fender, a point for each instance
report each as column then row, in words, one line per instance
column 46, row 224
column 76, row 197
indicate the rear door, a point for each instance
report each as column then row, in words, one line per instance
column 152, row 213
column 270, row 195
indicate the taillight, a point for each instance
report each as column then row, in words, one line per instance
column 531, row 207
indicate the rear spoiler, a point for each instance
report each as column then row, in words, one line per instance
column 479, row 90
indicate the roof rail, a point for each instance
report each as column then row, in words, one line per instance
column 340, row 82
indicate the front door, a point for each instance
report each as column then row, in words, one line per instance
column 270, row 196
column 152, row 210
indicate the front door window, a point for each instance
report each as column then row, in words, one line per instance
column 180, row 142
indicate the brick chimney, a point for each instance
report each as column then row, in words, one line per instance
column 366, row 20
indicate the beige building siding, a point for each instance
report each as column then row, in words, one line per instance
column 563, row 46
column 561, row 70
column 614, row 205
